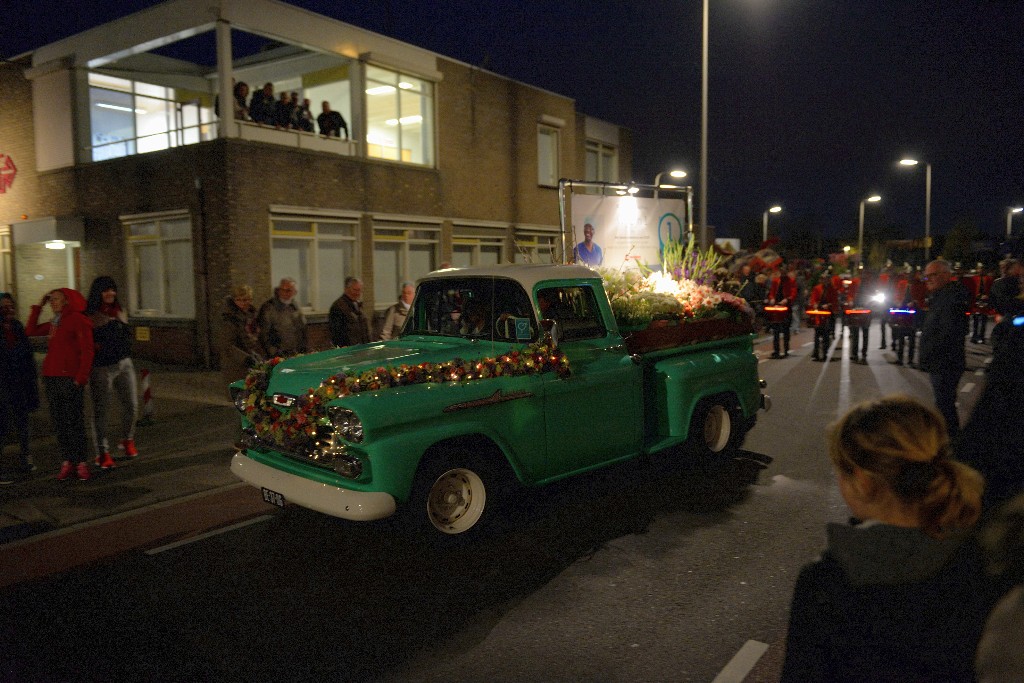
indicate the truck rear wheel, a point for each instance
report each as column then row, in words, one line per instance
column 711, row 429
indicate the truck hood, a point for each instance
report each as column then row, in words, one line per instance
column 297, row 375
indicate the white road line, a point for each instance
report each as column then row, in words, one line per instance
column 208, row 534
column 967, row 388
column 810, row 343
column 741, row 664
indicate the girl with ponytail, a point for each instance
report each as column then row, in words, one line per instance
column 900, row 592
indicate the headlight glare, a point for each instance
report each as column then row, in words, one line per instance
column 347, row 424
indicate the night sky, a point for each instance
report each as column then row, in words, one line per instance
column 812, row 102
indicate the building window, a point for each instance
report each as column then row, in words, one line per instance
column 319, row 253
column 160, row 273
column 399, row 117
column 130, row 117
column 401, row 254
column 537, row 247
column 602, row 162
column 6, row 265
column 475, row 246
column 547, row 156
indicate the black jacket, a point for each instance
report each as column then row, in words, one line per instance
column 348, row 323
column 945, row 326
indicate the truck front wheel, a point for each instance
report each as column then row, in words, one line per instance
column 454, row 497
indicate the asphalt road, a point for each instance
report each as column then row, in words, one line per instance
column 665, row 569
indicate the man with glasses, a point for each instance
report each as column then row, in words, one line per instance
column 942, row 338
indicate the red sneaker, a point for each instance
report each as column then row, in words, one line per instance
column 105, row 461
column 128, row 445
column 83, row 471
column 65, row 470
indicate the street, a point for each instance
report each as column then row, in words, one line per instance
column 661, row 569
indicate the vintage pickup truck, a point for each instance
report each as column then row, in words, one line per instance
column 502, row 377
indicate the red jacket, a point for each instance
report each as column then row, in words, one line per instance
column 70, row 349
column 788, row 290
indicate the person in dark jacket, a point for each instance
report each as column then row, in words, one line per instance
column 901, row 593
column 280, row 323
column 66, row 370
column 1007, row 298
column 19, row 384
column 942, row 353
column 348, row 323
column 240, row 344
column 113, row 372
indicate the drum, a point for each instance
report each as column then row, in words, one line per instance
column 817, row 318
column 861, row 317
column 902, row 318
column 776, row 315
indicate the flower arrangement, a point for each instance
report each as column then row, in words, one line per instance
column 683, row 290
column 296, row 429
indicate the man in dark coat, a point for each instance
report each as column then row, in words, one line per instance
column 942, row 338
column 347, row 322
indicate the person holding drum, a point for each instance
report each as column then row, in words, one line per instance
column 823, row 304
column 858, row 318
column 782, row 295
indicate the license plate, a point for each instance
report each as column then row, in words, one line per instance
column 273, row 497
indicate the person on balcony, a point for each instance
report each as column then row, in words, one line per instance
column 284, row 110
column 261, row 105
column 331, row 122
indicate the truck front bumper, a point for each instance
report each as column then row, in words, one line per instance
column 358, row 506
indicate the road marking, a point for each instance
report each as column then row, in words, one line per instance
column 741, row 664
column 810, row 343
column 980, row 372
column 208, row 534
column 967, row 388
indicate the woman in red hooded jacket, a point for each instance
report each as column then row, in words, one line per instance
column 66, row 372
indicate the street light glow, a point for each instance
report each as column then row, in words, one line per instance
column 908, row 162
column 775, row 209
column 927, row 205
column 874, row 198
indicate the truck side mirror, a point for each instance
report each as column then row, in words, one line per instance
column 551, row 327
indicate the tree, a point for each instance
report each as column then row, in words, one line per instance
column 957, row 248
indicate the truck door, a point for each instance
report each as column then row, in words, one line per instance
column 593, row 416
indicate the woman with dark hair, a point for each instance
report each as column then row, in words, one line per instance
column 112, row 370
column 69, row 353
column 900, row 593
column 19, row 389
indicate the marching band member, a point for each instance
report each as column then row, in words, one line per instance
column 783, row 293
column 823, row 298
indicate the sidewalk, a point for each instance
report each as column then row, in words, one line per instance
column 184, row 450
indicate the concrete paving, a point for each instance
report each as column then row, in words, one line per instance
column 184, row 449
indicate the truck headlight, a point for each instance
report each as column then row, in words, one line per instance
column 347, row 424
column 237, row 394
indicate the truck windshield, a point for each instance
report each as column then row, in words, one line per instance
column 474, row 308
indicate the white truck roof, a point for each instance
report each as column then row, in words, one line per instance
column 527, row 274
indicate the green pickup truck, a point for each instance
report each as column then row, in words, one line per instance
column 504, row 376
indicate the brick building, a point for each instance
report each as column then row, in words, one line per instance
column 119, row 157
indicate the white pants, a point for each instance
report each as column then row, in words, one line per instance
column 105, row 380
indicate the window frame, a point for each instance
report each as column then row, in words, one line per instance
column 312, row 300
column 604, row 151
column 133, row 263
column 554, row 135
column 389, row 233
column 427, row 97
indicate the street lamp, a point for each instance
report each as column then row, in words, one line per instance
column 703, row 201
column 860, row 230
column 675, row 173
column 927, row 204
column 1009, row 217
column 764, row 222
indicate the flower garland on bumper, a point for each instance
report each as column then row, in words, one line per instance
column 296, row 430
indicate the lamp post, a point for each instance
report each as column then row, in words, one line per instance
column 675, row 173
column 703, row 200
column 927, row 204
column 860, row 230
column 764, row 222
column 1009, row 218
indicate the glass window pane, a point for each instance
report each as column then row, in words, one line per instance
column 609, row 172
column 387, row 270
column 462, row 255
column 177, row 229
column 142, row 229
column 150, row 273
column 110, row 82
column 151, row 90
column 290, row 258
column 293, row 226
column 334, row 264
column 547, row 156
column 113, row 124
column 490, row 255
column 343, row 229
column 180, row 280
column 421, row 261
column 592, row 168
column 153, row 118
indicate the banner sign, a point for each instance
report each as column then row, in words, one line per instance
column 7, row 172
column 620, row 231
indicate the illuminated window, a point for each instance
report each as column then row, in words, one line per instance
column 402, row 254
column 319, row 253
column 399, row 117
column 161, row 277
column 547, row 156
column 131, row 117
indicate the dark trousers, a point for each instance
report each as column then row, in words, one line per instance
column 14, row 415
column 858, row 339
column 821, row 339
column 881, row 329
column 944, row 385
column 67, row 412
column 905, row 338
column 979, row 322
column 783, row 330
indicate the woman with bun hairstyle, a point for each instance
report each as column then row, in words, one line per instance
column 900, row 592
column 66, row 367
column 113, row 372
